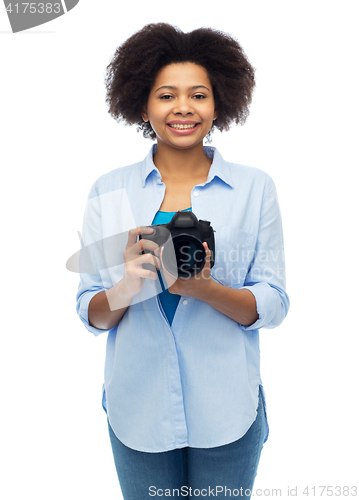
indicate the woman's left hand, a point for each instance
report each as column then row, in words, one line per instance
column 238, row 304
column 197, row 286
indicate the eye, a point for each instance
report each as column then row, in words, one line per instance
column 199, row 96
column 165, row 97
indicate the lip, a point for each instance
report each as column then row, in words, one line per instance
column 183, row 122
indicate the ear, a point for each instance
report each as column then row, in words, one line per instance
column 215, row 116
column 144, row 114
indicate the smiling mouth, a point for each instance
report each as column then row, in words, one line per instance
column 177, row 126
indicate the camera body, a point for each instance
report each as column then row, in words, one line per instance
column 182, row 238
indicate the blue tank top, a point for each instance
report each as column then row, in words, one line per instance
column 168, row 300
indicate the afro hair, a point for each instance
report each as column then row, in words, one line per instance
column 134, row 66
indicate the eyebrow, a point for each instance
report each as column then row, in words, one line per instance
column 176, row 88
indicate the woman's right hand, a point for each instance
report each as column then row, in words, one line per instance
column 107, row 308
column 135, row 274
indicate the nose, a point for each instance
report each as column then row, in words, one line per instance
column 183, row 106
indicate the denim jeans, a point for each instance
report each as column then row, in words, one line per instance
column 220, row 472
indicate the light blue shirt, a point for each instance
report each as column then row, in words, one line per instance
column 195, row 382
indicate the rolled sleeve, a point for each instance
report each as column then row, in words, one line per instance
column 82, row 306
column 91, row 283
column 272, row 306
column 266, row 275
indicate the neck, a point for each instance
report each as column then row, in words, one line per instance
column 181, row 164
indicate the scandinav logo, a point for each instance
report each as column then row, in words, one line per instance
column 25, row 15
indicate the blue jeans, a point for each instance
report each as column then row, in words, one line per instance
column 220, row 472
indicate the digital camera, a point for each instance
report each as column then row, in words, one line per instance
column 182, row 238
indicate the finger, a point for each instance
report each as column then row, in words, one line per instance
column 156, row 262
column 144, row 267
column 150, row 259
column 208, row 251
column 144, row 244
column 144, row 273
column 140, row 246
column 133, row 256
column 134, row 232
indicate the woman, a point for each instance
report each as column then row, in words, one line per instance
column 182, row 391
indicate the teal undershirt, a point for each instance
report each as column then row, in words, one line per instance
column 168, row 300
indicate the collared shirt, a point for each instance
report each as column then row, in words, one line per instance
column 195, row 382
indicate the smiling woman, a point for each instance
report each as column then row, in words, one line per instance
column 183, row 391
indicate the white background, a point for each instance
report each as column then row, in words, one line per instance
column 57, row 138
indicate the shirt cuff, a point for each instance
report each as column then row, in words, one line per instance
column 83, row 312
column 266, row 303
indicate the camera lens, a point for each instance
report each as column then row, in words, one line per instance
column 189, row 253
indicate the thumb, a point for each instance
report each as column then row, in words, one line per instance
column 208, row 251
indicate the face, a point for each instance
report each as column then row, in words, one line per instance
column 181, row 107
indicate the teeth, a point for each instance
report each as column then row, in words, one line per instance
column 181, row 127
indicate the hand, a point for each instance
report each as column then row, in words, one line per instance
column 197, row 286
column 135, row 274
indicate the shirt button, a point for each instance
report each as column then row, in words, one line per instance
column 185, row 302
column 195, row 193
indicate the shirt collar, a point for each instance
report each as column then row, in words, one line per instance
column 219, row 167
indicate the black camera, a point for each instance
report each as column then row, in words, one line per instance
column 182, row 238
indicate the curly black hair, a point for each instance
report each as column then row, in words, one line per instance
column 133, row 69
